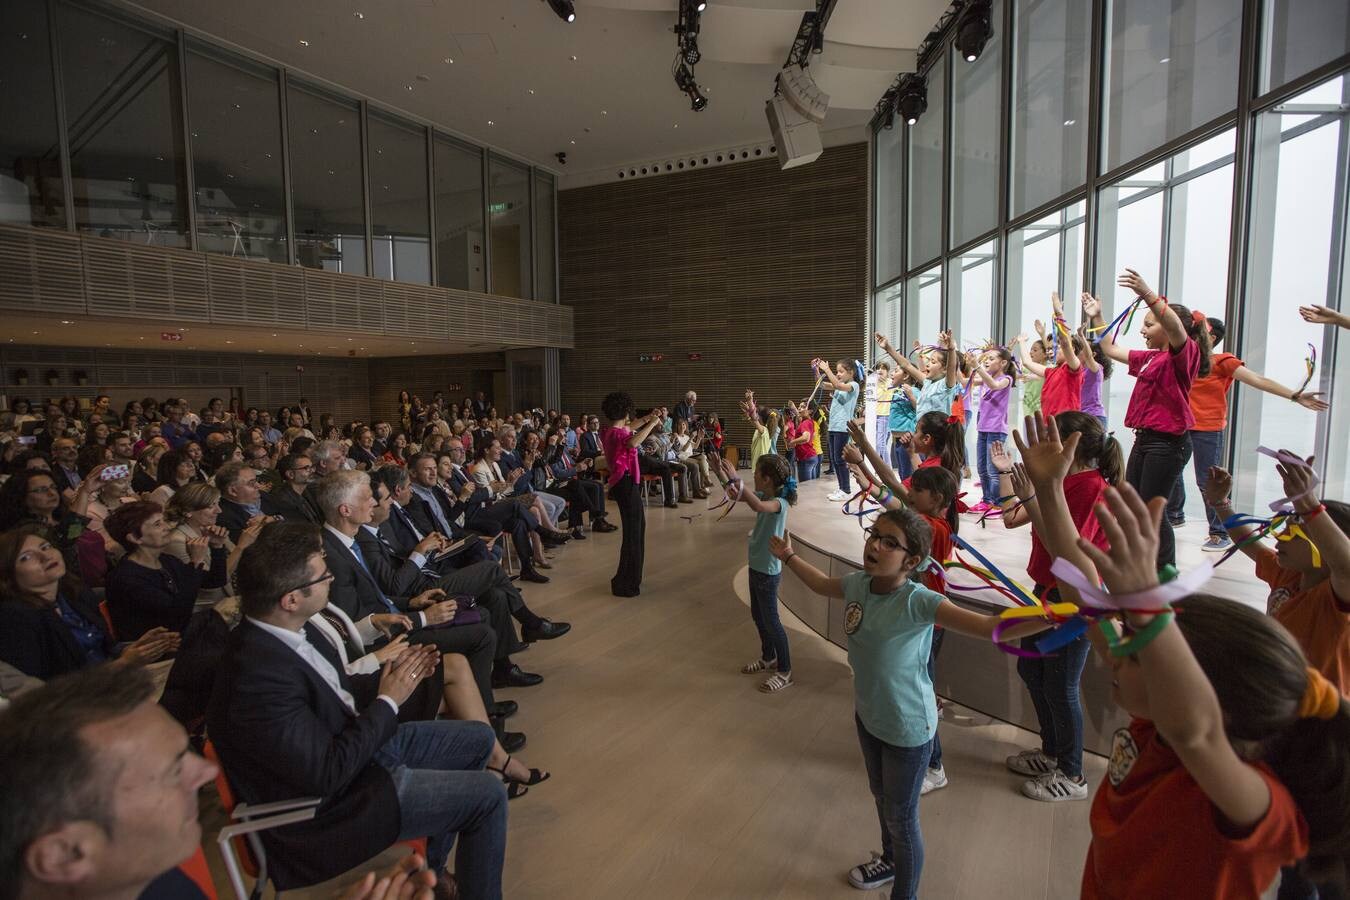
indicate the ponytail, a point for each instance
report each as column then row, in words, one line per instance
column 775, row 468
column 945, row 485
column 1096, row 447
column 1197, row 329
column 949, row 438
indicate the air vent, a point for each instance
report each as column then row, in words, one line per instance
column 702, row 160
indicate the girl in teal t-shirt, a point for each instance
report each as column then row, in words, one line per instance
column 889, row 622
column 775, row 490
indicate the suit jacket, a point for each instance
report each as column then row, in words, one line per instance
column 36, row 641
column 284, row 502
column 354, row 589
column 684, row 411
column 395, row 573
column 233, row 518
column 281, row 732
column 590, row 445
column 398, row 530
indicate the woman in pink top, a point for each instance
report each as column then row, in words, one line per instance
column 621, row 439
column 1160, row 406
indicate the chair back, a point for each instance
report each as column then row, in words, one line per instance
column 229, row 801
column 195, row 868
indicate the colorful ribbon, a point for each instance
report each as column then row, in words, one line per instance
column 1311, row 362
column 1285, row 504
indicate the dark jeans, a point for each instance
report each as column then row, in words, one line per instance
column 808, row 469
column 508, row 516
column 988, row 474
column 650, row 465
column 1155, row 463
column 1206, row 451
column 1294, row 885
column 627, row 581
column 895, row 777
column 837, row 441
column 582, row 497
column 437, row 770
column 1053, row 683
column 935, row 758
column 900, row 461
column 773, row 642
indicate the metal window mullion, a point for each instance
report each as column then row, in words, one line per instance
column 1096, row 102
column 1335, row 283
column 1171, row 148
column 363, row 108
column 1165, row 231
column 998, row 299
column 533, row 225
column 1298, row 85
column 59, row 93
column 948, row 100
column 190, row 177
column 283, row 89
column 486, row 165
column 433, row 274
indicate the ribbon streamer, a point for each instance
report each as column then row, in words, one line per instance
column 1287, row 503
column 1160, row 596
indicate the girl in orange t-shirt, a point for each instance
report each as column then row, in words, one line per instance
column 1233, row 765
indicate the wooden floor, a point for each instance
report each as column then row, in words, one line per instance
column 674, row 778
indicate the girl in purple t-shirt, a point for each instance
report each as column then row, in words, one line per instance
column 1097, row 368
column 994, row 371
column 620, row 439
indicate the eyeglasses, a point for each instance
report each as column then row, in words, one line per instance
column 885, row 540
column 326, row 576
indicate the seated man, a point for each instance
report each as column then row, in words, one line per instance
column 240, row 498
column 512, row 460
column 347, row 502
column 100, row 790
column 288, row 498
column 486, row 582
column 288, row 721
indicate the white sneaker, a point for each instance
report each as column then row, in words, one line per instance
column 933, row 779
column 1055, row 786
column 1031, row 762
column 838, row 496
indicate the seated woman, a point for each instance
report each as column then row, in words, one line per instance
column 175, row 470
column 362, row 452
column 112, row 489
column 192, row 515
column 686, row 452
column 145, row 478
column 49, row 623
column 486, row 471
column 397, row 450
column 150, row 588
column 33, row 496
column 560, row 477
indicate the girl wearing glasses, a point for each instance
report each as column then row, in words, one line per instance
column 889, row 620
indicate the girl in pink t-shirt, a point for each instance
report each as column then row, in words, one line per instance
column 1160, row 406
column 621, row 439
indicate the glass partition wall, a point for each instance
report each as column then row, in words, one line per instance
column 1204, row 143
column 121, row 127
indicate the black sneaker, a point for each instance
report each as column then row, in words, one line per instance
column 578, row 534
column 871, row 875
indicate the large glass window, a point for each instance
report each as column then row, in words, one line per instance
column 1300, row 35
column 399, row 207
column 971, row 285
column 327, row 197
column 234, row 113
column 1298, row 207
column 545, row 285
column 976, row 96
column 923, row 309
column 32, row 191
column 925, row 172
column 124, row 118
column 1050, row 99
column 461, row 251
column 890, row 208
column 1171, row 66
column 888, row 318
column 1044, row 257
column 509, row 210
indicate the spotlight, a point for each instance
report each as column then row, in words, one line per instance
column 689, row 50
column 561, row 157
column 888, row 118
column 565, row 9
column 911, row 99
column 700, row 6
column 684, row 80
column 974, row 30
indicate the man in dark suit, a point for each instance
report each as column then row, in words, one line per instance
column 288, row 721
column 288, row 498
column 588, row 443
column 481, row 406
column 240, row 498
column 348, row 503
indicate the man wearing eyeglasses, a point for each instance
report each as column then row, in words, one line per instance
column 288, row 498
column 240, row 498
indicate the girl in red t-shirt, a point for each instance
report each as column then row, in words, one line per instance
column 1234, row 762
column 1063, row 387
column 1056, row 768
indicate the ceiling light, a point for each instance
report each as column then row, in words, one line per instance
column 67, row 322
column 911, row 97
column 359, row 15
column 407, row 87
column 229, row 342
column 574, row 58
column 700, row 6
column 304, row 43
column 448, row 61
column 565, row 9
column 1165, row 59
column 974, row 30
column 685, row 81
column 1068, row 122
column 490, row 122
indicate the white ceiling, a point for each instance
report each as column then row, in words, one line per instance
column 599, row 89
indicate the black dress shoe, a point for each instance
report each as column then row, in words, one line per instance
column 518, row 648
column 603, row 527
column 672, row 505
column 503, row 709
column 545, row 631
column 578, row 534
column 624, row 593
column 515, row 677
column 512, row 741
column 534, row 576
column 561, row 537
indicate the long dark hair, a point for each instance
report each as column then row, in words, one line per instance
column 1096, row 448
column 775, row 468
column 167, row 471
column 949, row 439
column 1197, row 330
column 14, row 497
column 945, row 484
column 11, row 543
column 1259, row 675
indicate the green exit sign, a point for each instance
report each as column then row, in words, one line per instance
column 497, row 208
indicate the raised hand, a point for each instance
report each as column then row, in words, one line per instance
column 852, row 454
column 945, row 340
column 1000, row 457
column 1131, row 526
column 1135, row 282
column 1021, row 483
column 882, row 342
column 1312, row 400
column 1299, row 482
column 1219, row 486
column 197, row 549
column 1321, row 315
column 1056, row 303
column 1040, row 328
column 1046, row 458
column 1092, row 307
column 216, row 535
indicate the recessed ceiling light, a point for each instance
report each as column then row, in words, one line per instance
column 448, row 61
column 182, row 329
column 140, row 338
column 422, row 76
column 1070, row 121
column 530, row 91
column 677, row 124
column 490, row 122
column 274, row 334
column 229, row 342
column 359, row 15
column 67, row 322
column 36, row 333
column 349, row 340
column 304, row 43
column 604, row 112
column 1165, row 59
column 573, row 142
column 574, row 59
column 408, row 87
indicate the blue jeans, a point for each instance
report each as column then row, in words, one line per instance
column 895, row 776
column 838, row 439
column 1206, row 451
column 808, row 469
column 988, row 474
column 1053, row 683
column 437, row 769
column 1106, row 426
column 773, row 642
column 900, row 461
column 935, row 758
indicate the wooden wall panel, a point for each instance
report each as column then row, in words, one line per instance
column 756, row 269
column 425, row 375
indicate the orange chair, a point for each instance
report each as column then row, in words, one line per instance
column 107, row 618
column 195, row 867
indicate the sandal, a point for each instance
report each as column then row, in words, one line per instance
column 759, row 665
column 516, row 788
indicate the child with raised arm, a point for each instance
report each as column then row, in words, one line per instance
column 1062, row 389
column 1160, row 408
column 994, row 372
column 1097, row 368
column 939, row 379
column 1308, row 571
column 775, row 490
column 842, row 402
column 1233, row 764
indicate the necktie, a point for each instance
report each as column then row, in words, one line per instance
column 408, row 522
column 360, row 561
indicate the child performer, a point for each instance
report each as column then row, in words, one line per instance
column 1096, row 370
column 1160, row 408
column 845, row 398
column 940, row 377
column 621, row 439
column 775, row 490
column 994, row 372
column 889, row 621
column 1234, row 760
column 1062, row 388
